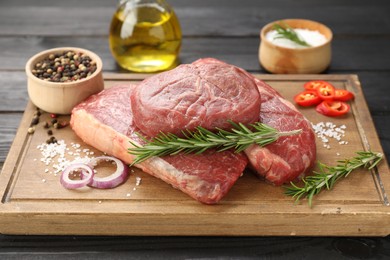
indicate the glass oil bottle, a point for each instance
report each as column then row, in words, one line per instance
column 145, row 36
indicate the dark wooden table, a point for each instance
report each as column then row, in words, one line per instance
column 227, row 30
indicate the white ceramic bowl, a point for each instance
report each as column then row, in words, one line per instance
column 283, row 60
column 61, row 97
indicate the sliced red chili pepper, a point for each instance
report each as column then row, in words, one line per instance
column 314, row 84
column 332, row 108
column 343, row 95
column 326, row 91
column 307, row 98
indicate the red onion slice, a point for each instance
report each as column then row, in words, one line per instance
column 75, row 184
column 112, row 181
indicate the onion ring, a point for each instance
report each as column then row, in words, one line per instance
column 112, row 181
column 75, row 184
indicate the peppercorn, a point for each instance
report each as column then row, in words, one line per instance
column 51, row 140
column 54, row 120
column 37, row 112
column 34, row 121
column 63, row 67
column 31, row 130
column 46, row 125
column 49, row 132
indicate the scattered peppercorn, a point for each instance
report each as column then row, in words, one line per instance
column 34, row 121
column 51, row 140
column 37, row 113
column 31, row 130
column 59, row 125
column 64, row 67
column 54, row 122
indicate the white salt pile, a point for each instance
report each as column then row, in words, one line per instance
column 313, row 38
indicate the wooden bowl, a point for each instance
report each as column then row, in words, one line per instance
column 61, row 97
column 283, row 60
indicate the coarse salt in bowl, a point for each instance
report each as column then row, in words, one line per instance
column 61, row 97
column 313, row 38
column 283, row 56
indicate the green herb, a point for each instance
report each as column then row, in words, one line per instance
column 239, row 138
column 328, row 176
column 287, row 32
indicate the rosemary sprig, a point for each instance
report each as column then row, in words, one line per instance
column 329, row 175
column 287, row 32
column 239, row 138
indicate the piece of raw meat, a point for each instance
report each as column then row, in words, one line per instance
column 206, row 94
column 105, row 121
column 290, row 156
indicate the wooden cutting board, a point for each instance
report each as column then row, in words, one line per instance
column 34, row 202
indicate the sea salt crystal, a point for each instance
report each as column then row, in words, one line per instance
column 137, row 181
column 328, row 130
column 313, row 38
column 54, row 155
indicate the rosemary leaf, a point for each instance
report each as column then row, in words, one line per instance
column 239, row 138
column 327, row 176
column 287, row 32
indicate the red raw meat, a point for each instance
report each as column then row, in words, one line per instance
column 203, row 94
column 108, row 121
column 105, row 121
column 290, row 156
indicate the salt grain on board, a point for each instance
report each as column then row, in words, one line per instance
column 328, row 130
column 137, row 181
column 54, row 154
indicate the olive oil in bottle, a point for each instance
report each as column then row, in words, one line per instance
column 145, row 36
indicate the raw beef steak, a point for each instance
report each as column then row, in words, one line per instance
column 203, row 93
column 290, row 156
column 105, row 121
column 110, row 119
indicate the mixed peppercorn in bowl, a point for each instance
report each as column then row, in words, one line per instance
column 60, row 78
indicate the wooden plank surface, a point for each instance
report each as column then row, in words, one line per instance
column 30, row 189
